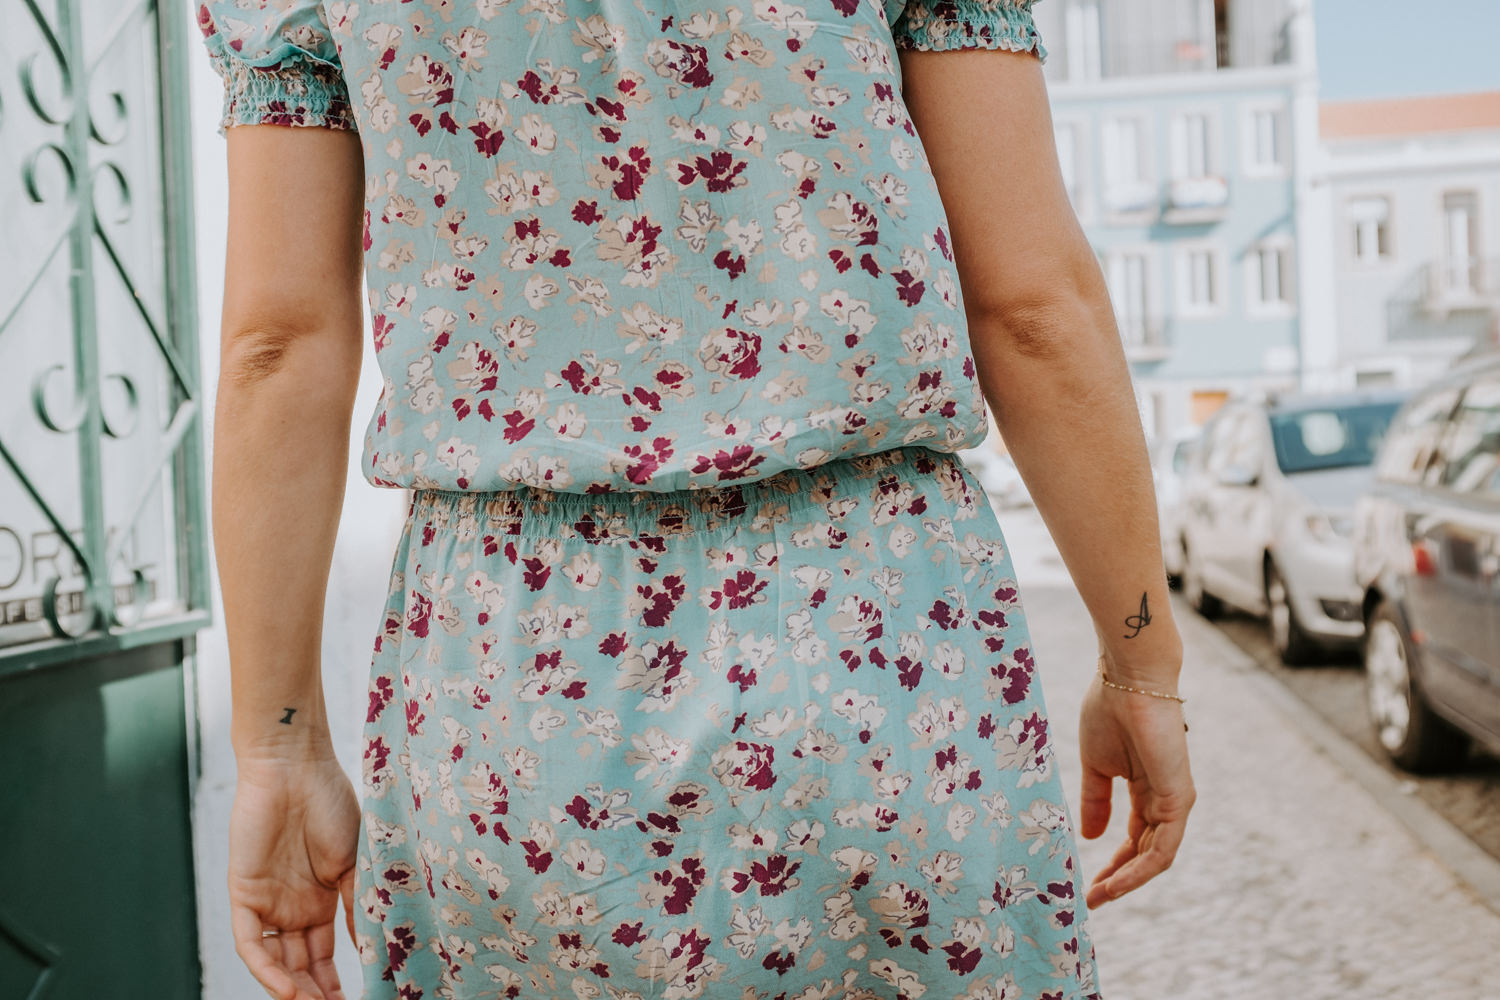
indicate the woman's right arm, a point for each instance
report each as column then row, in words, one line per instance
column 1053, row 370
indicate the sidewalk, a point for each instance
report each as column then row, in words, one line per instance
column 1293, row 882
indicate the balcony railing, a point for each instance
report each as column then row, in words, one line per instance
column 1131, row 198
column 1464, row 283
column 1441, row 299
column 1194, row 200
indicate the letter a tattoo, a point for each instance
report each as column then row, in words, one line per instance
column 1136, row 622
column 288, row 717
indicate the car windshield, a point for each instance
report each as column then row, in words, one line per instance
column 1331, row 437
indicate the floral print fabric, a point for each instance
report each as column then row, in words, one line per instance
column 782, row 739
column 635, row 246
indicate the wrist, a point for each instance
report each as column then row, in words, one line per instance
column 288, row 743
column 1156, row 664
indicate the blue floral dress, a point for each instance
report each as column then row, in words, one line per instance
column 704, row 671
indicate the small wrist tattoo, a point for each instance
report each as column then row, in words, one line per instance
column 1138, row 621
column 287, row 718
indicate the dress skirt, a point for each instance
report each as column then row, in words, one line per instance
column 782, row 740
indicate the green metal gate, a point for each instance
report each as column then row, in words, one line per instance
column 103, row 563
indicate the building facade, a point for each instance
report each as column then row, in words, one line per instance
column 1178, row 124
column 1404, row 228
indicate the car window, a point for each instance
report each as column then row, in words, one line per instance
column 1413, row 437
column 1469, row 454
column 1217, row 439
column 1329, row 437
column 1246, row 446
column 1181, row 455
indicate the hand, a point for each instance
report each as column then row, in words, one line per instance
column 293, row 840
column 1141, row 739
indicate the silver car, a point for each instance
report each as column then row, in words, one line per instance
column 1266, row 513
column 1173, row 458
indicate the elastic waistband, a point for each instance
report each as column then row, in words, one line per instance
column 530, row 510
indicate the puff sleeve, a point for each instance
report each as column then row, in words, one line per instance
column 939, row 25
column 279, row 62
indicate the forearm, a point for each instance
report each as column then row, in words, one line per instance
column 1061, row 396
column 281, row 451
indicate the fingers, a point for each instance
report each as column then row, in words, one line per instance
column 346, row 890
column 1141, row 858
column 1095, row 803
column 1159, row 848
column 320, row 965
column 256, row 952
column 1123, row 853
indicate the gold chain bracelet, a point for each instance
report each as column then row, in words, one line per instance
column 1104, row 679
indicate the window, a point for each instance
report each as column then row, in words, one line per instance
column 1219, row 438
column 1413, row 435
column 1265, row 140
column 1469, row 455
column 1124, row 151
column 1461, row 244
column 1083, row 40
column 1182, row 455
column 1371, row 221
column 1198, row 280
column 1270, row 275
column 1128, row 187
column 1067, row 156
column 1192, row 153
column 1245, row 448
column 1128, row 273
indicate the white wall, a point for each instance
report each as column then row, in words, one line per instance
column 372, row 520
column 1413, row 175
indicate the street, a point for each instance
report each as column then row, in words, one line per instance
column 1334, row 686
column 1300, row 877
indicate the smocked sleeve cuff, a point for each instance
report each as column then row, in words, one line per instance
column 306, row 93
column 943, row 25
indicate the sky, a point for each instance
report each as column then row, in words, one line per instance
column 1404, row 48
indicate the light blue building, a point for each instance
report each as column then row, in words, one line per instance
column 1178, row 124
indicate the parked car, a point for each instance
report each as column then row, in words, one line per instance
column 1170, row 462
column 1267, row 504
column 1427, row 560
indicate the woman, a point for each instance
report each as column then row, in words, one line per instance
column 703, row 671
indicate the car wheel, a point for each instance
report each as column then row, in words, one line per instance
column 1414, row 736
column 1292, row 644
column 1198, row 599
column 1172, row 558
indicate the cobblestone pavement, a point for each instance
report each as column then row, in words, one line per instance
column 1293, row 883
column 1469, row 797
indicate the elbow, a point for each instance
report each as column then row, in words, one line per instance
column 249, row 357
column 253, row 354
column 1051, row 311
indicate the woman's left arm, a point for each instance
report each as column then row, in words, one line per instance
column 291, row 347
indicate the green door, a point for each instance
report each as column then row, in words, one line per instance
column 103, row 566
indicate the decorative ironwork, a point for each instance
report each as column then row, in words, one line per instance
column 112, row 431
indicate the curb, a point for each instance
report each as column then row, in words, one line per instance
column 1477, row 870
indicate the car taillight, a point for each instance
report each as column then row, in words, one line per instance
column 1423, row 559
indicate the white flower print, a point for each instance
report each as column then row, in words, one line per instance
column 587, row 862
column 603, row 726
column 658, row 753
